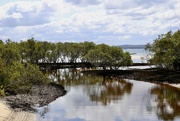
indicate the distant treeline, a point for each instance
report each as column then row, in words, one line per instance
column 132, row 46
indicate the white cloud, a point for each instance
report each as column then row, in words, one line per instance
column 129, row 4
column 84, row 3
column 108, row 21
column 17, row 15
column 116, row 4
column 31, row 13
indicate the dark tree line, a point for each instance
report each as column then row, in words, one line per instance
column 34, row 52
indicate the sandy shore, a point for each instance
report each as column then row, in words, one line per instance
column 22, row 105
column 7, row 114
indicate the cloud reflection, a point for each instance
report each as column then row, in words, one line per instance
column 90, row 100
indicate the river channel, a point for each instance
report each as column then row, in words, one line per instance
column 91, row 98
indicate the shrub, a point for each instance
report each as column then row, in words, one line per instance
column 23, row 77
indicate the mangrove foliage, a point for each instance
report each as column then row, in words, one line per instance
column 19, row 60
column 165, row 50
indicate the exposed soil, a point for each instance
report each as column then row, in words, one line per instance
column 158, row 75
column 39, row 96
column 151, row 75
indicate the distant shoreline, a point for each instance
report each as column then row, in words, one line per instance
column 132, row 46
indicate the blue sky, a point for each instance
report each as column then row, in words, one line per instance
column 113, row 22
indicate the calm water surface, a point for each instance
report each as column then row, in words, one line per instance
column 137, row 55
column 90, row 98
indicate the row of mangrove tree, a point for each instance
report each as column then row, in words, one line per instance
column 18, row 60
column 33, row 51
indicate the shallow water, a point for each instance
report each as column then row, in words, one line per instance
column 138, row 55
column 90, row 98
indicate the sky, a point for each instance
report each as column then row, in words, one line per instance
column 113, row 22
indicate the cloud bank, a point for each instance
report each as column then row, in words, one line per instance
column 112, row 22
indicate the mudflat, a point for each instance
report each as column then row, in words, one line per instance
column 40, row 95
column 22, row 107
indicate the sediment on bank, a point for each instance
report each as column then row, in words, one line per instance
column 39, row 96
column 158, row 75
column 152, row 74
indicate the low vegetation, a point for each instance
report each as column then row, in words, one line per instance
column 19, row 78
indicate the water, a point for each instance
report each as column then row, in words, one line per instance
column 89, row 98
column 138, row 55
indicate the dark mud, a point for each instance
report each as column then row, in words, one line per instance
column 158, row 75
column 151, row 75
column 39, row 96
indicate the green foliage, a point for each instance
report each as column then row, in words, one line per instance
column 10, row 52
column 127, row 59
column 23, row 76
column 33, row 51
column 18, row 70
column 72, row 51
column 1, row 47
column 2, row 92
column 4, row 76
column 108, row 57
column 166, row 50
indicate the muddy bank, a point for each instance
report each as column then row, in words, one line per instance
column 158, row 75
column 151, row 75
column 38, row 96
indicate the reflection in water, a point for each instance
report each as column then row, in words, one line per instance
column 167, row 102
column 110, row 91
column 98, row 89
column 44, row 110
column 91, row 98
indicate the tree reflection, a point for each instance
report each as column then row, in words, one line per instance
column 167, row 100
column 98, row 89
column 111, row 90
